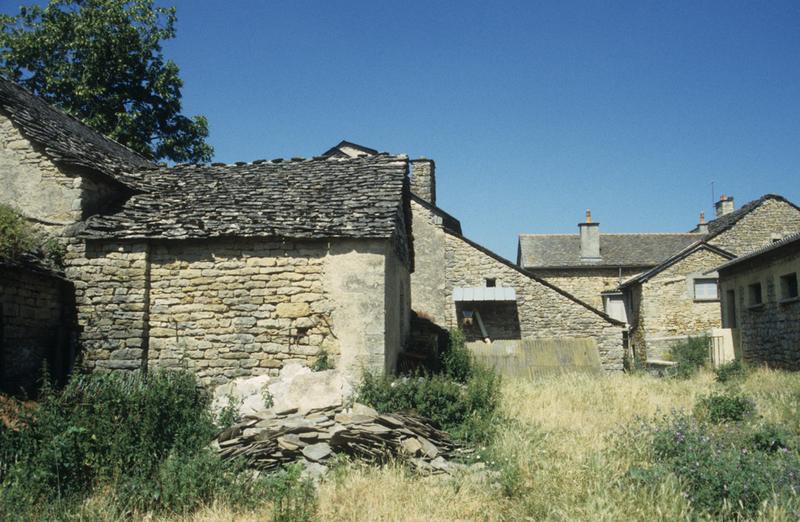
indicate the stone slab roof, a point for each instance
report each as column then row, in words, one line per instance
column 629, row 250
column 302, row 199
column 66, row 140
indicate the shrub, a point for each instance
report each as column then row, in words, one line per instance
column 322, row 362
column 724, row 471
column 17, row 236
column 456, row 361
column 727, row 407
column 729, row 371
column 463, row 399
column 689, row 356
column 143, row 438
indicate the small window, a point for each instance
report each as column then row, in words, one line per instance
column 754, row 294
column 491, row 282
column 789, row 286
column 705, row 290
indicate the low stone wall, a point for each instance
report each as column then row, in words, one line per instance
column 228, row 308
column 35, row 328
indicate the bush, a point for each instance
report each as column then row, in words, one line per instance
column 466, row 409
column 729, row 371
column 689, row 356
column 724, row 471
column 456, row 361
column 17, row 236
column 322, row 362
column 728, row 407
column 143, row 438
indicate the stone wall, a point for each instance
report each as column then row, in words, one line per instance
column 428, row 296
column 230, row 308
column 665, row 311
column 110, row 295
column 587, row 284
column 32, row 183
column 769, row 333
column 40, row 189
column 542, row 311
column 758, row 227
column 35, row 327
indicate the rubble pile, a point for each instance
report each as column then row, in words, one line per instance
column 267, row 440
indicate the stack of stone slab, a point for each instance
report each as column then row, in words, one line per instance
column 267, row 440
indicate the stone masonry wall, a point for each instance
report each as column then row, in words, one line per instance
column 756, row 229
column 428, row 280
column 668, row 311
column 587, row 284
column 769, row 333
column 110, row 295
column 42, row 190
column 230, row 308
column 32, row 183
column 542, row 312
column 32, row 326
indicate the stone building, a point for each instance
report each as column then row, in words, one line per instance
column 591, row 265
column 761, row 304
column 458, row 283
column 228, row 270
column 662, row 284
column 680, row 297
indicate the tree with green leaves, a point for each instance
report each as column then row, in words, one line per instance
column 102, row 62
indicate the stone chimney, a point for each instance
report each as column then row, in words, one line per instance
column 590, row 239
column 702, row 226
column 724, row 205
column 423, row 179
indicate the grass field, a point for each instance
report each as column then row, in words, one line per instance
column 567, row 448
column 563, row 453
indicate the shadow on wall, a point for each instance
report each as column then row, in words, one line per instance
column 500, row 319
column 38, row 330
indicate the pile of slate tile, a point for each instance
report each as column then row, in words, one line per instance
column 267, row 440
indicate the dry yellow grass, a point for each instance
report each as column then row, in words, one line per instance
column 562, row 461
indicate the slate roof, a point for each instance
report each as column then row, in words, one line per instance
column 629, row 250
column 66, row 140
column 316, row 198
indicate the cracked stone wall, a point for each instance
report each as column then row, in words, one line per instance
column 231, row 308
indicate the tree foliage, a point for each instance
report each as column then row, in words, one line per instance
column 102, row 61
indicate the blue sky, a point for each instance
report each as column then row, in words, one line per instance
column 533, row 111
